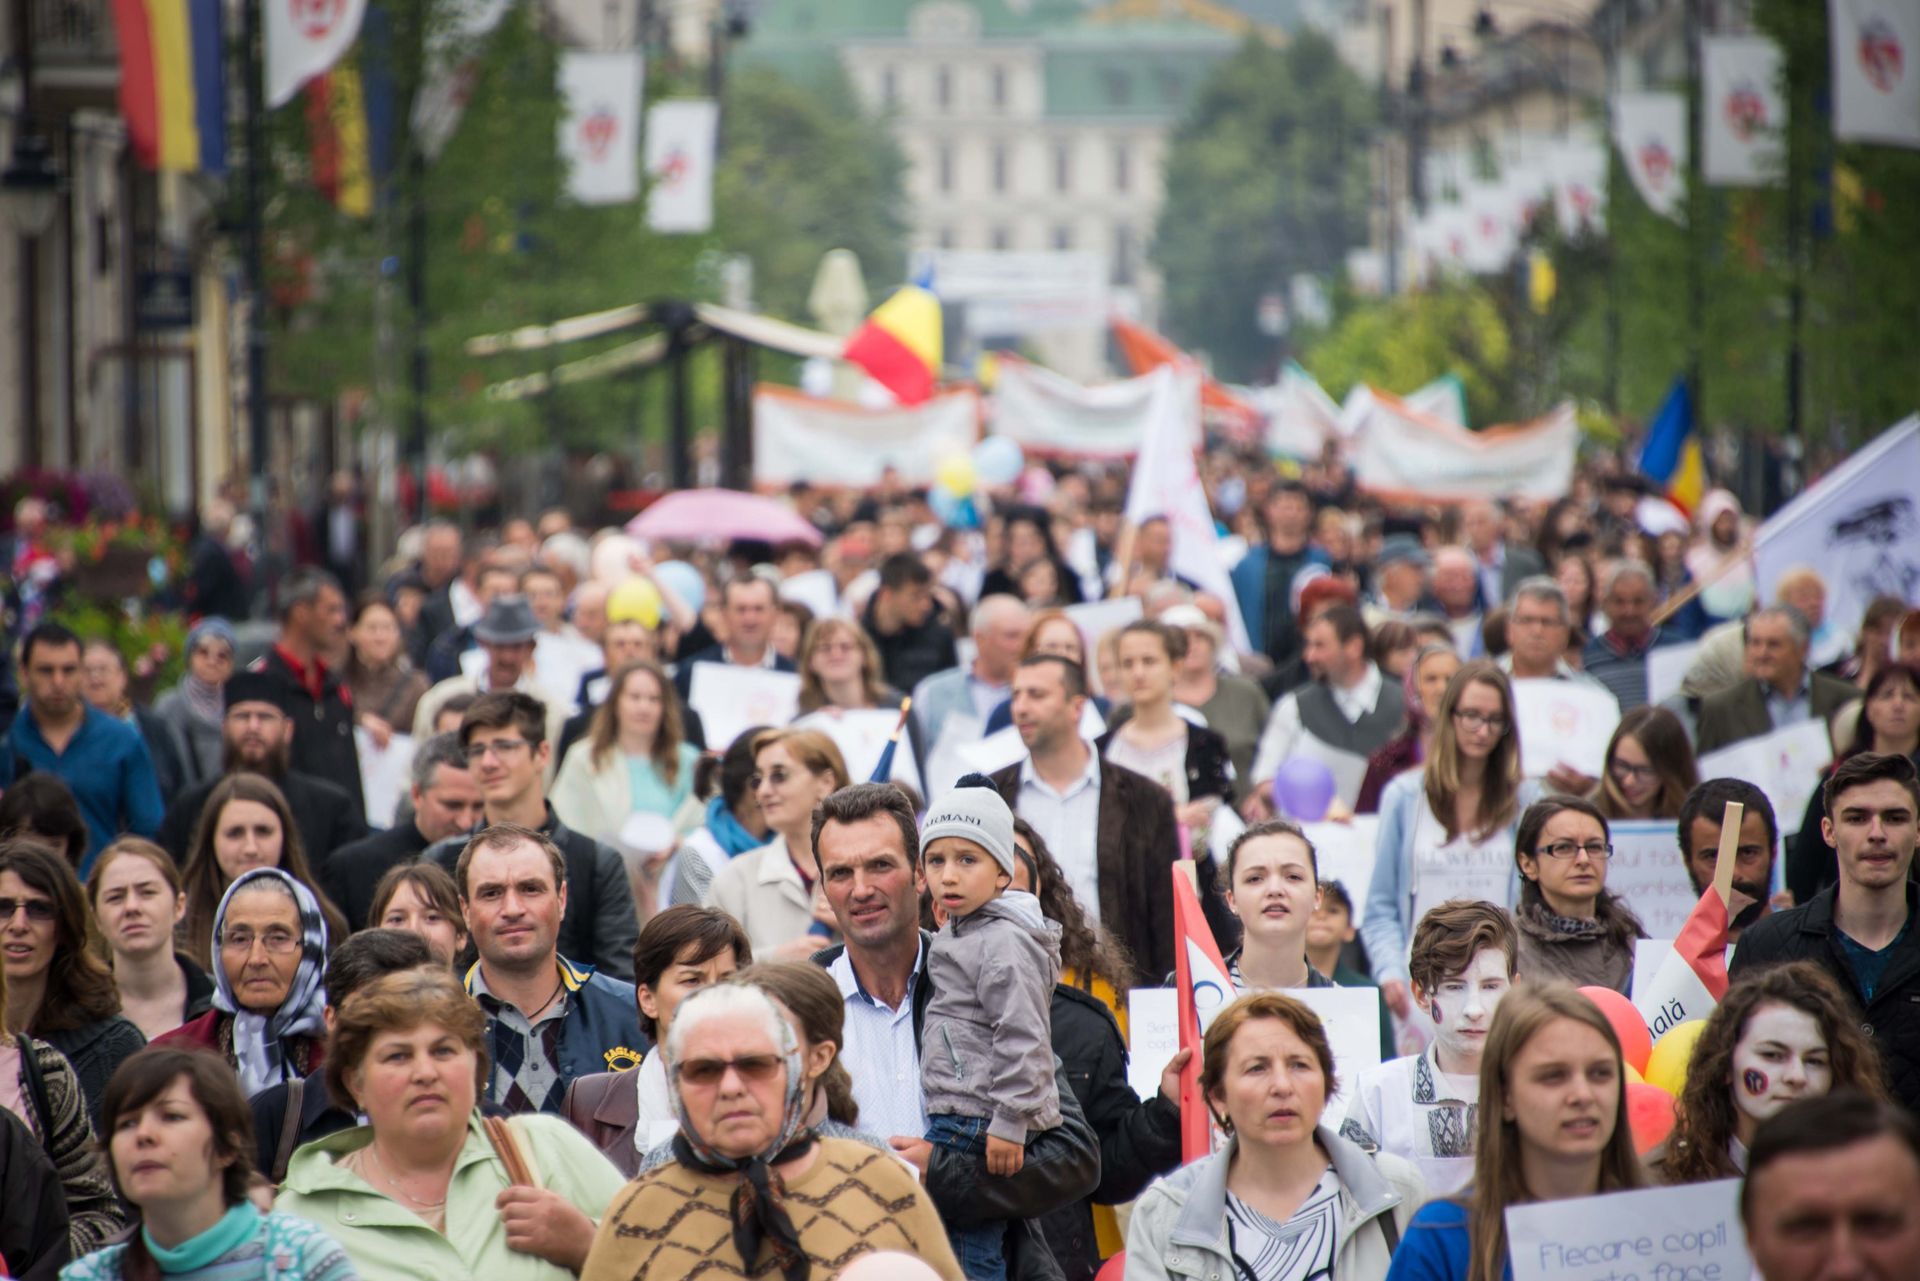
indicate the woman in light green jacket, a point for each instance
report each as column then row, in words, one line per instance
column 422, row 1190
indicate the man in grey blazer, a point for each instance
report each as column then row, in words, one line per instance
column 1778, row 690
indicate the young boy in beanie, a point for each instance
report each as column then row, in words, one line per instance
column 986, row 1059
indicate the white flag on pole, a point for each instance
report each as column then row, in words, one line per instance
column 1166, row 483
column 452, row 69
column 680, row 138
column 1742, row 115
column 304, row 38
column 1876, row 87
column 600, row 129
column 1650, row 129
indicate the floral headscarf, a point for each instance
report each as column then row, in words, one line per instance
column 260, row 1040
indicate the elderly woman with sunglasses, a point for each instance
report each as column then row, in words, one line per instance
column 742, row 1089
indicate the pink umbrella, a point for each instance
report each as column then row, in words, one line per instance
column 721, row 515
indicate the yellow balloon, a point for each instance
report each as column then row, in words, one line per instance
column 1633, row 1077
column 635, row 599
column 1667, row 1067
column 955, row 475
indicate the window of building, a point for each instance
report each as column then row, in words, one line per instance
column 943, row 164
column 999, row 167
column 889, row 87
column 1122, row 167
column 1119, row 84
column 1063, row 237
column 1062, row 167
column 943, row 88
column 1001, row 239
column 1123, row 254
column 999, row 87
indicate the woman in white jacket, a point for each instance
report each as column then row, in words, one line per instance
column 633, row 760
column 1287, row 1199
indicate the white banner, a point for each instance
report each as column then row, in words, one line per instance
column 1859, row 525
column 303, row 39
column 1691, row 1231
column 1742, row 114
column 1493, row 232
column 831, row 442
column 1009, row 293
column 680, row 138
column 1876, row 87
column 1650, row 129
column 1445, row 398
column 733, row 699
column 1351, row 1016
column 1399, row 451
column 1049, row 413
column 1563, row 723
column 452, row 68
column 1787, row 765
column 1301, row 417
column 1345, row 853
column 1166, row 483
column 600, row 127
column 1649, row 874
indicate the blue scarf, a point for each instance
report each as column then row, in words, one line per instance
column 235, row 1227
column 728, row 832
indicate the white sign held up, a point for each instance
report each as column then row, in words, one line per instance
column 1651, row 1234
column 1785, row 764
column 733, row 699
column 1563, row 723
column 1648, row 873
column 1344, row 853
column 1351, row 1016
column 1153, row 1035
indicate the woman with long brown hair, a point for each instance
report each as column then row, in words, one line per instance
column 1650, row 767
column 634, row 760
column 245, row 824
column 1553, row 1103
column 840, row 667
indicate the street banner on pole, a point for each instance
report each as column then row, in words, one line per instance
column 600, row 130
column 680, row 139
column 1650, row 129
column 305, row 37
column 1876, row 87
column 1742, row 116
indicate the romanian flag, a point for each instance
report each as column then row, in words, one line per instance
column 1203, row 989
column 1693, row 978
column 900, row 344
column 1671, row 455
column 173, row 82
column 350, row 117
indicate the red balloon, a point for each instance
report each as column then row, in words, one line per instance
column 1636, row 1043
column 1113, row 1269
column 1650, row 1113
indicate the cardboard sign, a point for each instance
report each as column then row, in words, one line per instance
column 1344, row 852
column 1788, row 765
column 385, row 776
column 1351, row 1016
column 1563, row 723
column 733, row 699
column 1153, row 1035
column 1648, row 872
column 1687, row 1233
column 861, row 737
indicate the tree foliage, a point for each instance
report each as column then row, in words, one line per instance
column 1403, row 342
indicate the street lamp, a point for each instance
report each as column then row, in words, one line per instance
column 30, row 186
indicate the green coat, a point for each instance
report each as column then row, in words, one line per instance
column 389, row 1243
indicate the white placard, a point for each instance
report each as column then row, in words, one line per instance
column 1563, row 723
column 1222, row 832
column 732, row 699
column 1648, row 956
column 1787, row 765
column 1649, row 873
column 994, row 752
column 385, row 776
column 1689, row 1232
column 1153, row 1036
column 816, row 589
column 1667, row 666
column 1098, row 617
column 861, row 737
column 1351, row 1016
column 944, row 763
column 1344, row 852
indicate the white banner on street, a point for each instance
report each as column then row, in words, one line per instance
column 1787, row 765
column 861, row 737
column 1692, row 1230
column 680, row 139
column 1049, row 413
column 1445, row 398
column 733, row 699
column 303, row 39
column 1563, row 723
column 600, row 127
column 452, row 68
column 1166, row 483
column 831, row 442
column 1010, row 293
column 1649, row 875
column 1742, row 116
column 1399, row 451
column 1876, row 86
column 1859, row 525
column 1344, row 852
column 1650, row 129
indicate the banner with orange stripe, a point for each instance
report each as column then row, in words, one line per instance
column 173, row 82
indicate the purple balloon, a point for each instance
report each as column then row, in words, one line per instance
column 1303, row 789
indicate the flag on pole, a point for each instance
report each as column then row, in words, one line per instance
column 1203, row 989
column 1650, row 129
column 304, row 38
column 1742, row 116
column 680, row 140
column 1693, row 978
column 452, row 69
column 883, row 768
column 600, row 129
column 900, row 345
column 1670, row 456
column 1876, row 87
column 173, row 82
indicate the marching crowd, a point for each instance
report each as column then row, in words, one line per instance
column 618, row 990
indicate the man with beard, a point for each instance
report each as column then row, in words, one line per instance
column 257, row 731
column 1699, row 832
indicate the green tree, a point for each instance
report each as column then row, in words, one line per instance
column 1402, row 342
column 1266, row 178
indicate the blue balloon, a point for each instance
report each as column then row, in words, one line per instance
column 998, row 460
column 1303, row 789
column 684, row 581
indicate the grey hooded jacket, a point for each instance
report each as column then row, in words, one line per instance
column 987, row 1046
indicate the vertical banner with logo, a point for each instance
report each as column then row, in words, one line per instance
column 304, row 38
column 599, row 131
column 1876, row 87
column 1742, row 116
column 680, row 144
column 1650, row 129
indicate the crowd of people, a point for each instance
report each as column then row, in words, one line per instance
column 617, row 989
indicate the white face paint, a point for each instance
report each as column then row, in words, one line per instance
column 1463, row 1008
column 1780, row 1056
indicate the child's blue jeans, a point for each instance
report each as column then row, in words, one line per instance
column 980, row 1249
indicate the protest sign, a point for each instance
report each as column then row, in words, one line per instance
column 1351, row 1016
column 1787, row 765
column 861, row 736
column 385, row 775
column 1153, row 1036
column 944, row 763
column 1344, row 853
column 1221, row 833
column 1096, row 618
column 732, row 699
column 1563, row 723
column 1648, row 873
column 1667, row 667
column 994, row 752
column 1690, row 1232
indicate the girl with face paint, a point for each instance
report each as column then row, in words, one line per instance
column 1782, row 1034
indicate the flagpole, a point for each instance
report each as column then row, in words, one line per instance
column 253, row 267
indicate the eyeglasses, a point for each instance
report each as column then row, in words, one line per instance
column 39, row 910
column 1634, row 773
column 777, row 776
column 501, row 747
column 1535, row 620
column 751, row 1067
column 277, row 942
column 1598, row 851
column 839, row 647
column 1481, row 720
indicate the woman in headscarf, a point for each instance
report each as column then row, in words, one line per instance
column 742, row 1092
column 1719, row 531
column 270, row 954
column 194, row 707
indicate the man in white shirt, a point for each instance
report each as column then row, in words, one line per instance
column 1343, row 716
column 999, row 629
column 1423, row 1108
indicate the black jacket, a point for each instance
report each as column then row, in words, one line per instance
column 162, row 749
column 1209, row 767
column 96, row 1049
column 912, row 654
column 322, row 727
column 213, row 583
column 326, row 817
column 1892, row 1018
column 350, row 874
column 600, row 926
column 33, row 1209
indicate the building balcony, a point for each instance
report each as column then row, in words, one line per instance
column 76, row 51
